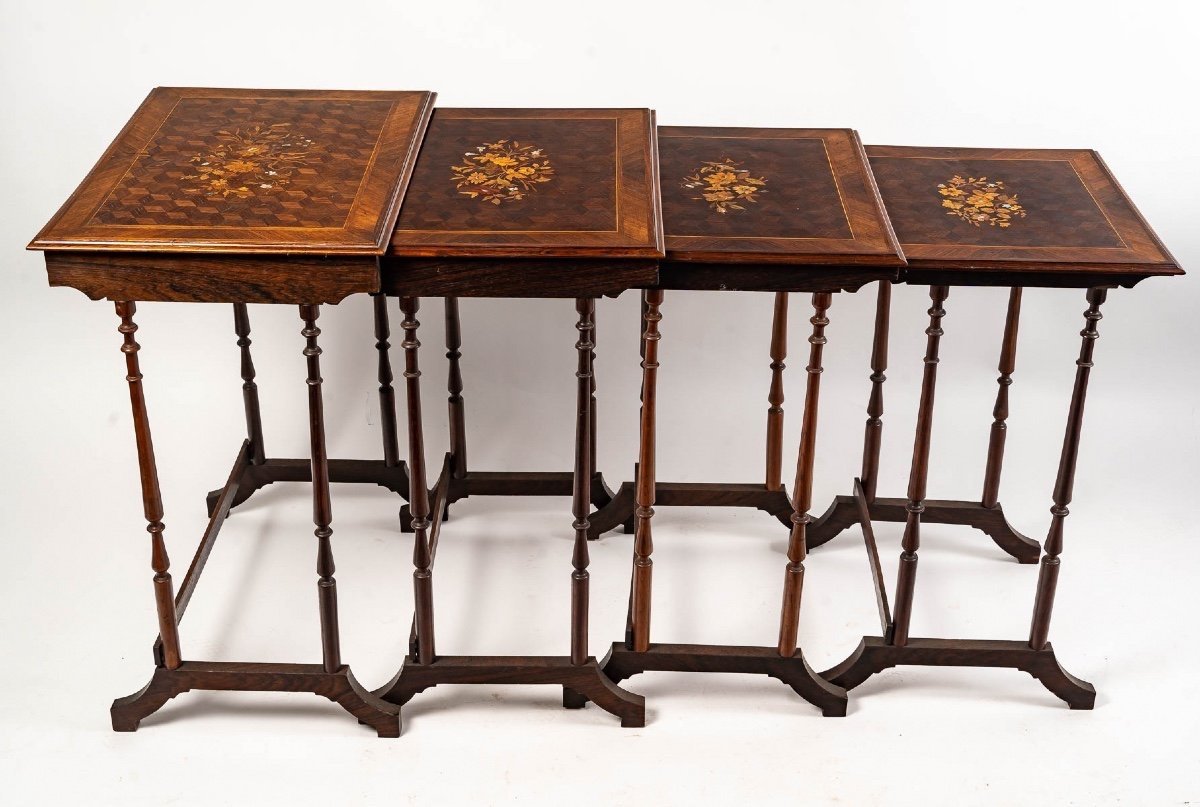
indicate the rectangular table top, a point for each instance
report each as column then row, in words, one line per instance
column 218, row 195
column 249, row 171
column 793, row 196
column 977, row 210
column 534, row 183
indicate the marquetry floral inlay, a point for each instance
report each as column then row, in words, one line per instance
column 502, row 171
column 979, row 200
column 724, row 185
column 242, row 163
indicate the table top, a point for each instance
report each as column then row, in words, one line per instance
column 534, row 183
column 248, row 171
column 308, row 196
column 975, row 210
column 788, row 196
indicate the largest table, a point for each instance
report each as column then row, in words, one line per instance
column 242, row 196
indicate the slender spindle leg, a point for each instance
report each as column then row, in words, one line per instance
column 1064, row 486
column 322, row 507
column 418, row 492
column 630, row 526
column 164, row 591
column 241, row 326
column 454, row 385
column 793, row 583
column 581, row 503
column 643, row 542
column 592, row 409
column 775, row 396
column 1008, row 362
column 907, row 576
column 879, row 357
column 387, row 393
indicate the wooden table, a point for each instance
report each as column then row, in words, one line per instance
column 988, row 217
column 295, row 197
column 519, row 203
column 243, row 196
column 767, row 210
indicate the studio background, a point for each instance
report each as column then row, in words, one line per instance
column 76, row 613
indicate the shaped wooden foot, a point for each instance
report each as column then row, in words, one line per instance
column 622, row 663
column 256, row 477
column 843, row 513
column 583, row 681
column 513, row 483
column 619, row 511
column 339, row 686
column 875, row 655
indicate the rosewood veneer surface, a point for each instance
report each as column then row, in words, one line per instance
column 981, row 215
column 221, row 195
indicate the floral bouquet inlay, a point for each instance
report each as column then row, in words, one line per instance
column 502, row 171
column 979, row 200
column 248, row 163
column 724, row 185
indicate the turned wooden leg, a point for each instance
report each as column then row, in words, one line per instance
column 843, row 511
column 241, row 326
column 640, row 560
column 1008, row 362
column 164, row 590
column 774, row 479
column 387, row 393
column 907, row 576
column 793, row 583
column 454, row 386
column 1064, row 486
column 643, row 542
column 592, row 430
column 581, row 502
column 879, row 356
column 418, row 491
column 322, row 506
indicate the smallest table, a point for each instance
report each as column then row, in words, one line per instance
column 988, row 217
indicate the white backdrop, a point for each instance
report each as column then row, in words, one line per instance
column 77, row 614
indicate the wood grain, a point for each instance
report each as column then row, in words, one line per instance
column 344, row 198
column 1077, row 218
column 601, row 201
column 178, row 278
column 515, row 277
column 818, row 203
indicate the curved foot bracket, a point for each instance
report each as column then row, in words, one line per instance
column 874, row 655
column 621, row 663
column 843, row 513
column 513, row 483
column 580, row 682
column 614, row 513
column 256, row 477
column 619, row 512
column 339, row 687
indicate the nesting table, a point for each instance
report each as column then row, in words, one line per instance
column 988, row 217
column 494, row 209
column 241, row 196
column 763, row 210
column 308, row 197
